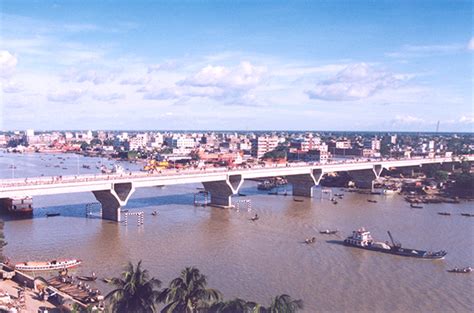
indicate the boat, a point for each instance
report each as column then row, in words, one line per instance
column 467, row 214
column 88, row 278
column 414, row 206
column 460, row 270
column 242, row 194
column 154, row 213
column 310, row 240
column 334, row 201
column 18, row 205
column 371, row 201
column 52, row 214
column 47, row 266
column 444, row 213
column 298, row 200
column 255, row 218
column 362, row 239
column 273, row 193
column 328, row 232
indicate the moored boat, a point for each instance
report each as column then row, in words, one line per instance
column 361, row 238
column 47, row 266
column 444, row 213
column 328, row 232
column 414, row 206
column 18, row 205
column 461, row 270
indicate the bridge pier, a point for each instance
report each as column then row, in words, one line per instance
column 113, row 199
column 364, row 178
column 222, row 191
column 303, row 184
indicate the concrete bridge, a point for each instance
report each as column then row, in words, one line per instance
column 114, row 190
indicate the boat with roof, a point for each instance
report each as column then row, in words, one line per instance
column 47, row 266
column 362, row 238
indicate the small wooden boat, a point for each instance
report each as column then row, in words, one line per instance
column 310, row 240
column 47, row 266
column 52, row 214
column 444, row 213
column 242, row 195
column 328, row 232
column 87, row 278
column 460, row 270
column 467, row 214
column 255, row 218
column 414, row 206
column 371, row 201
column 334, row 201
column 298, row 200
column 154, row 213
column 273, row 193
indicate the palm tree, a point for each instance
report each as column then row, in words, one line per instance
column 188, row 293
column 283, row 304
column 234, row 306
column 135, row 292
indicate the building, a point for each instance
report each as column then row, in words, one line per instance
column 264, row 144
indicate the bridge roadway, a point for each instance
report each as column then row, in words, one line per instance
column 114, row 190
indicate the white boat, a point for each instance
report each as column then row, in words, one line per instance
column 47, row 266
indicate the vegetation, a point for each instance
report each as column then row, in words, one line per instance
column 280, row 152
column 188, row 293
column 464, row 185
column 2, row 242
column 135, row 291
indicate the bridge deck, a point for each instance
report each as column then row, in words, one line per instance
column 33, row 186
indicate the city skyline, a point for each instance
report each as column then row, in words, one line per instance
column 360, row 66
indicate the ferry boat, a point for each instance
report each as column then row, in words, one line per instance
column 47, row 266
column 361, row 238
column 18, row 205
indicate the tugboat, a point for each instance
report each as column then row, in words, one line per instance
column 361, row 238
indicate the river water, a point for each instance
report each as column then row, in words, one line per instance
column 255, row 260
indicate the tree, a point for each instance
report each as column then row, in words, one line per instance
column 234, row 306
column 441, row 176
column 188, row 293
column 135, row 292
column 283, row 304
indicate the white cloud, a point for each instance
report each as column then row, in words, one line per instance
column 111, row 97
column 407, row 119
column 467, row 119
column 356, row 81
column 230, row 85
column 135, row 80
column 160, row 94
column 470, row 45
column 66, row 96
column 8, row 63
column 93, row 76
column 165, row 66
column 12, row 87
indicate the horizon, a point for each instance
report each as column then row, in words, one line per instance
column 372, row 67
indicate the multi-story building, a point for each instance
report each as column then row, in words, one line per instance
column 264, row 144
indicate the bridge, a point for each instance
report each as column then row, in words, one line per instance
column 114, row 190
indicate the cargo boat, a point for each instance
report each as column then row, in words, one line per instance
column 47, row 266
column 362, row 239
column 18, row 205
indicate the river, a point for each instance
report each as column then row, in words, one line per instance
column 255, row 260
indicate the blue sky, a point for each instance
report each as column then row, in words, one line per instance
column 310, row 65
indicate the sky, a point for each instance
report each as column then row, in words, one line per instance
column 237, row 65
